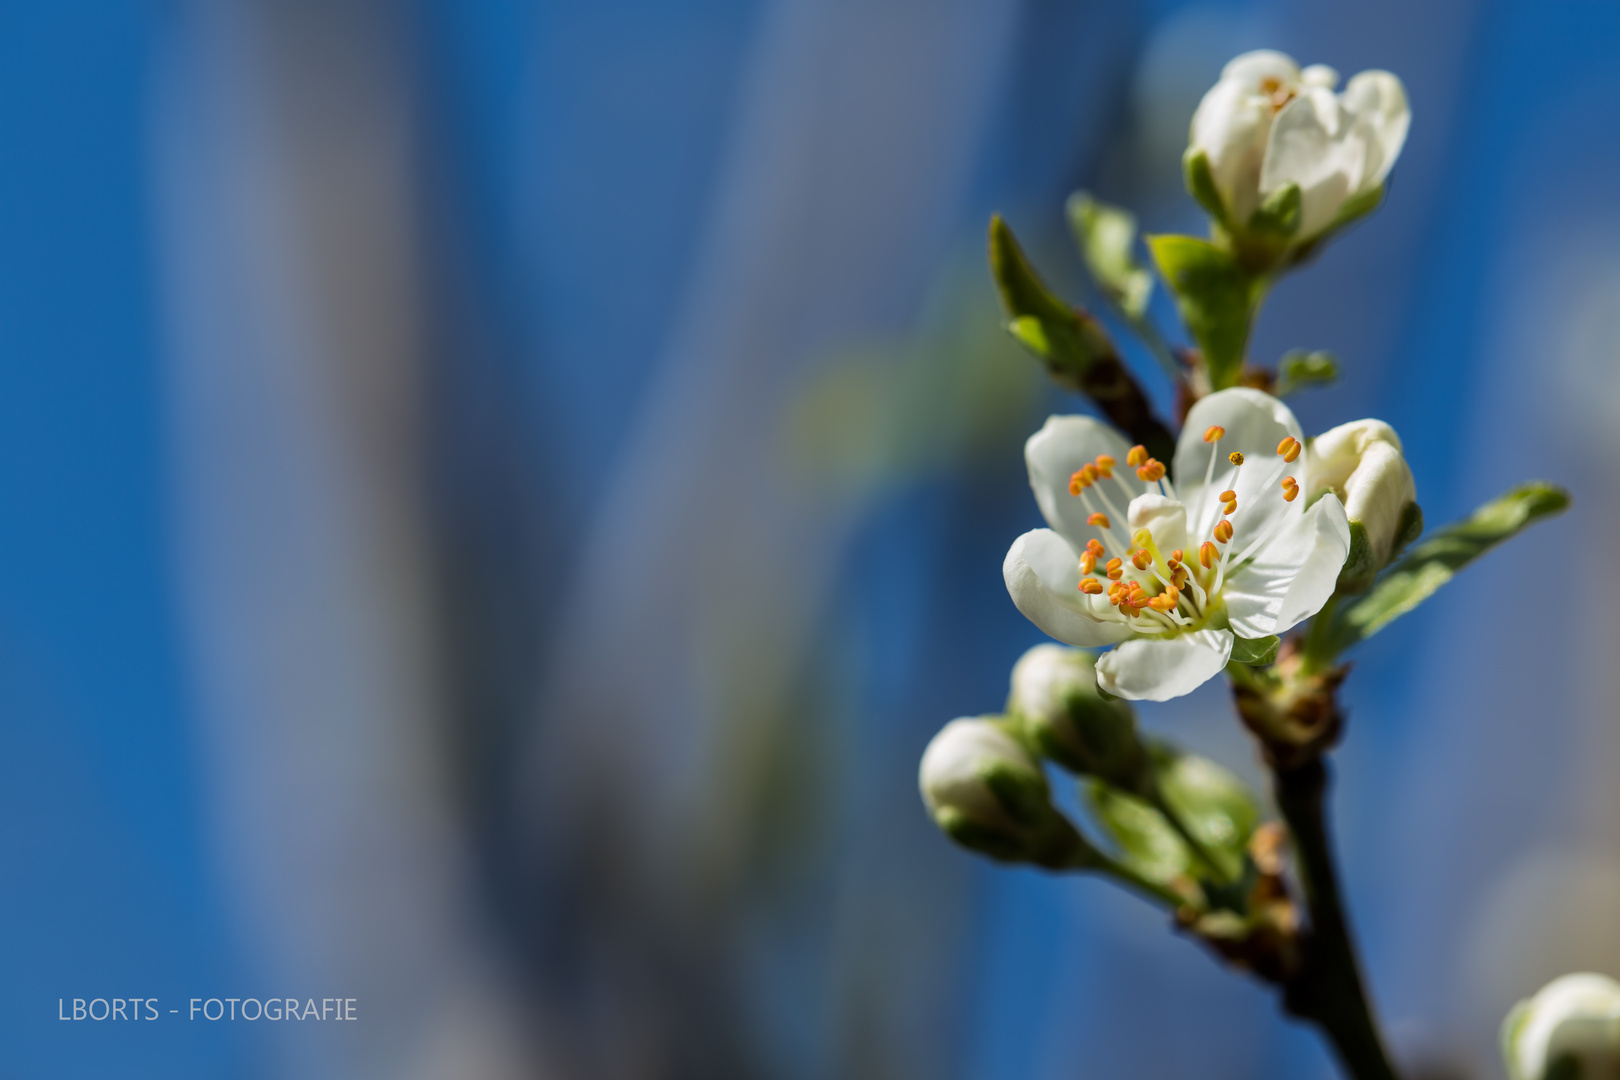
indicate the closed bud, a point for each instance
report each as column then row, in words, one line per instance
column 987, row 793
column 1362, row 463
column 1276, row 154
column 1570, row 1030
column 1063, row 714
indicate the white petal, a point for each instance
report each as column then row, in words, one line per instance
column 1231, row 126
column 1361, row 462
column 1319, row 75
column 1255, row 423
column 1292, row 576
column 1053, row 454
column 1158, row 669
column 1043, row 577
column 1377, row 100
column 1312, row 144
column 1252, row 67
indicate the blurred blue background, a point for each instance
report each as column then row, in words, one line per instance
column 495, row 497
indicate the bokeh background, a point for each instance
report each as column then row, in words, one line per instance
column 495, row 497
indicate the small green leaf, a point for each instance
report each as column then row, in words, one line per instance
column 1107, row 236
column 1216, row 299
column 1145, row 841
column 1068, row 340
column 1201, row 184
column 1255, row 651
column 1435, row 561
column 1278, row 217
column 1299, row 369
column 1212, row 804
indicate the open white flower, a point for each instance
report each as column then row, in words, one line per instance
column 1169, row 573
column 1574, row 1018
column 1267, row 124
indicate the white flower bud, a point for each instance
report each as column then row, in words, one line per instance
column 1570, row 1030
column 1362, row 463
column 1055, row 697
column 988, row 793
column 1267, row 125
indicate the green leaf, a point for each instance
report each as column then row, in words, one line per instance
column 1068, row 340
column 1299, row 369
column 1434, row 562
column 1107, row 236
column 1216, row 299
column 1145, row 841
column 1201, row 185
column 1255, row 651
column 1211, row 803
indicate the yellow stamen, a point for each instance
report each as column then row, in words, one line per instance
column 1214, row 433
column 1289, row 449
column 1235, row 458
column 1228, row 495
column 1223, row 531
column 1177, row 556
column 1151, row 470
column 1136, row 455
column 1291, row 494
column 1208, row 553
column 1116, row 568
column 1142, row 558
column 1100, row 520
column 1090, row 586
column 1230, row 508
column 1088, row 563
column 1105, row 466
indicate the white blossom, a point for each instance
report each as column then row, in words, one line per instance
column 1573, row 1018
column 1267, row 124
column 1169, row 573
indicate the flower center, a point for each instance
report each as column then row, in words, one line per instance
column 1167, row 593
column 1278, row 92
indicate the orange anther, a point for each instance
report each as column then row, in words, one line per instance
column 1090, row 586
column 1228, row 495
column 1142, row 559
column 1235, row 458
column 1105, row 465
column 1095, row 549
column 1289, row 449
column 1116, row 569
column 1077, row 482
column 1100, row 520
column 1230, row 508
column 1151, row 470
column 1208, row 553
column 1088, row 563
column 1214, row 433
column 1223, row 531
column 1137, row 455
column 1177, row 555
column 1291, row 494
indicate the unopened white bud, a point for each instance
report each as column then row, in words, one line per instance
column 1267, row 126
column 988, row 793
column 1361, row 462
column 1570, row 1030
column 1055, row 697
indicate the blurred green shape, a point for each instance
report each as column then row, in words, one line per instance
column 1434, row 562
column 1217, row 300
column 1107, row 238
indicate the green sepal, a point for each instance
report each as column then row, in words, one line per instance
column 1277, row 219
column 1216, row 299
column 1106, row 236
column 1021, row 792
column 1255, row 651
column 1201, row 185
column 970, row 834
column 1069, row 341
column 1299, row 369
column 1436, row 561
column 1143, row 840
